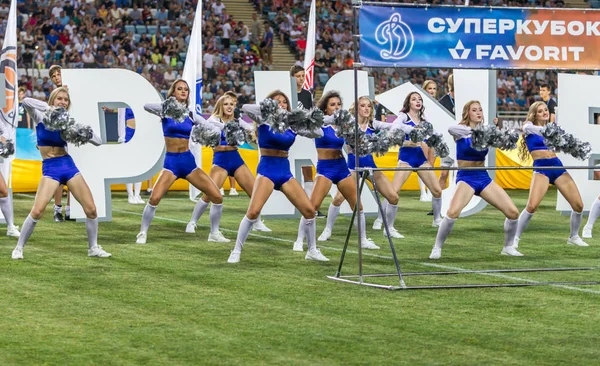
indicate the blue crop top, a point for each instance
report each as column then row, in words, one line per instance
column 182, row 130
column 329, row 139
column 464, row 151
column 535, row 142
column 268, row 139
column 409, row 123
column 48, row 138
column 129, row 114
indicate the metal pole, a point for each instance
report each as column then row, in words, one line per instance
column 387, row 231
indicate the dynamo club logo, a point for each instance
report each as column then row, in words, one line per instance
column 395, row 34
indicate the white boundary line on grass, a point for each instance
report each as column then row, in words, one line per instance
column 566, row 287
column 497, row 275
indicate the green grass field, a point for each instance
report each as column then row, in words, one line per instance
column 175, row 300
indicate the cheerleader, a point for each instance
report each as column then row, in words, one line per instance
column 592, row 217
column 365, row 122
column 273, row 172
column 180, row 163
column 533, row 143
column 58, row 169
column 475, row 182
column 411, row 154
column 227, row 161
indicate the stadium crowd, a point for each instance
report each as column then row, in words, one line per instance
column 151, row 38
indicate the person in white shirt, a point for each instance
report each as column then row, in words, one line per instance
column 218, row 8
column 170, row 75
column 57, row 10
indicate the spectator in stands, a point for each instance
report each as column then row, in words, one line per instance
column 266, row 47
column 24, row 118
column 226, row 35
column 256, row 30
column 448, row 100
column 218, row 8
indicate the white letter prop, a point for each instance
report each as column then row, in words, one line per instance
column 578, row 104
column 303, row 152
column 139, row 159
column 468, row 85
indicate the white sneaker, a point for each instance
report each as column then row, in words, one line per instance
column 325, row 235
column 97, row 251
column 576, row 240
column 222, row 191
column 260, row 226
column 436, row 223
column 141, row 238
column 394, row 234
column 315, row 255
column 218, row 237
column 234, row 257
column 298, row 246
column 586, row 234
column 233, row 192
column 139, row 200
column 190, row 228
column 516, row 242
column 436, row 253
column 367, row 243
column 377, row 224
column 131, row 200
column 512, row 251
column 13, row 230
column 17, row 253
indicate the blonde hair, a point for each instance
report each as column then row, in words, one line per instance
column 54, row 94
column 531, row 117
column 465, row 113
column 172, row 90
column 371, row 113
column 427, row 83
column 219, row 109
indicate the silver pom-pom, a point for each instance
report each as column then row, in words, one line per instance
column 436, row 142
column 173, row 109
column 278, row 121
column 480, row 137
column 77, row 134
column 235, row 135
column 205, row 136
column 57, row 119
column 305, row 120
column 396, row 136
column 268, row 107
column 556, row 139
column 377, row 143
column 504, row 139
column 421, row 132
column 7, row 148
column 344, row 125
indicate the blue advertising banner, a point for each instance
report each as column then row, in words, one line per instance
column 467, row 37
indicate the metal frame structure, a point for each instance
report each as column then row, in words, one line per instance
column 365, row 173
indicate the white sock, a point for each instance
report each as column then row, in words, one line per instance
column 308, row 188
column 594, row 214
column 68, row 211
column 301, row 232
column 91, row 226
column 510, row 229
column 58, row 209
column 524, row 219
column 215, row 216
column 129, row 187
column 198, row 211
column 384, row 206
column 436, row 205
column 363, row 226
column 390, row 215
column 147, row 217
column 243, row 231
column 26, row 231
column 137, row 187
column 444, row 230
column 7, row 210
column 310, row 227
column 575, row 223
column 332, row 213
column 422, row 187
